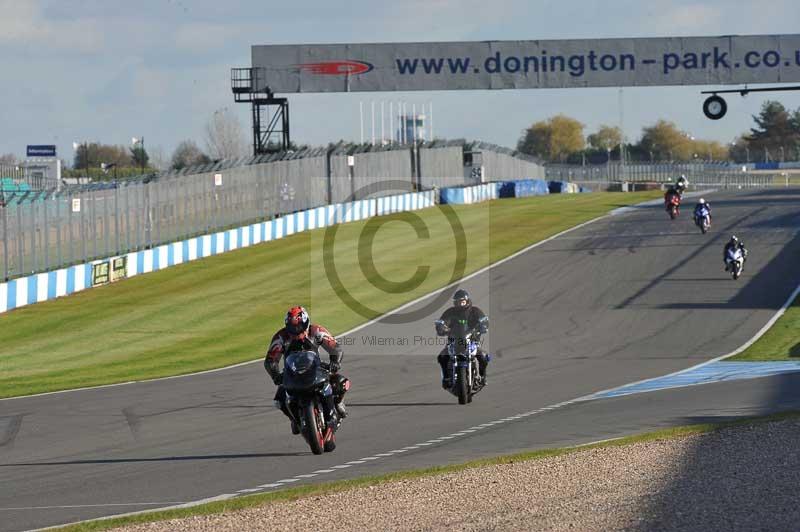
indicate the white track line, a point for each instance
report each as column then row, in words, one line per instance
column 751, row 341
column 89, row 506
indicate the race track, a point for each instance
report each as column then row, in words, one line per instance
column 625, row 298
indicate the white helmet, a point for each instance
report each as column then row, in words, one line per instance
column 701, row 201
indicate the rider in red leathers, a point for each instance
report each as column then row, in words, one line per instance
column 300, row 334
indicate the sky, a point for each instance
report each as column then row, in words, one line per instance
column 105, row 71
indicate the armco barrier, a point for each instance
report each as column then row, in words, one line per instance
column 466, row 195
column 522, row 188
column 50, row 285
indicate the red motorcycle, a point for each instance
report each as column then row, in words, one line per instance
column 672, row 202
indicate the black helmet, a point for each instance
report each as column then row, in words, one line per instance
column 734, row 240
column 461, row 299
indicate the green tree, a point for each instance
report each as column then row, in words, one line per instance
column 666, row 142
column 777, row 132
column 606, row 137
column 139, row 157
column 554, row 139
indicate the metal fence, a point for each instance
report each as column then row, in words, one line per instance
column 42, row 231
column 11, row 171
column 718, row 174
column 50, row 229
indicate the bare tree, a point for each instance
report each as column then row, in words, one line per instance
column 188, row 154
column 224, row 136
column 9, row 159
column 158, row 159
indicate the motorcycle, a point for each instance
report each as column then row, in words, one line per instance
column 735, row 262
column 673, row 203
column 463, row 365
column 703, row 220
column 308, row 389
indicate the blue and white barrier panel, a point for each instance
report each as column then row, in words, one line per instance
column 563, row 187
column 466, row 195
column 522, row 188
column 50, row 285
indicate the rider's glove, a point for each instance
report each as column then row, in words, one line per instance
column 277, row 378
column 319, row 337
column 441, row 327
column 334, row 366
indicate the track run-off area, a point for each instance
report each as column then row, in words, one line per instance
column 622, row 299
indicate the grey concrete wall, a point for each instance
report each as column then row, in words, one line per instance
column 371, row 173
column 442, row 167
column 502, row 166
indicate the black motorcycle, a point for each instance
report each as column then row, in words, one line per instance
column 463, row 365
column 308, row 389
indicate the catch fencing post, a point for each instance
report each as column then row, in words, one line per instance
column 4, row 212
column 58, row 229
column 46, row 235
column 20, row 240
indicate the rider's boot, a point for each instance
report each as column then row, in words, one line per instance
column 483, row 362
column 283, row 408
column 331, row 414
column 446, row 373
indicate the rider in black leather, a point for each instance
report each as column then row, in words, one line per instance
column 477, row 321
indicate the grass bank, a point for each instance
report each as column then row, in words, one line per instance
column 780, row 342
column 221, row 310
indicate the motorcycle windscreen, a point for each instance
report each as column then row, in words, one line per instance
column 459, row 333
column 301, row 370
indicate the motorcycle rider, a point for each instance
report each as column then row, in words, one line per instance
column 477, row 321
column 733, row 244
column 300, row 334
column 681, row 184
column 702, row 204
column 678, row 188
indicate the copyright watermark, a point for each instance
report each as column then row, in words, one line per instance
column 360, row 295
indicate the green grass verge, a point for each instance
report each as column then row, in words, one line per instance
column 222, row 310
column 321, row 489
column 780, row 342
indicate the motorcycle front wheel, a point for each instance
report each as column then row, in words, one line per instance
column 461, row 385
column 312, row 430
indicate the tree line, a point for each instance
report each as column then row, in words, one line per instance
column 224, row 138
column 775, row 137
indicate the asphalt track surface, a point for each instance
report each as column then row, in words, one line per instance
column 622, row 299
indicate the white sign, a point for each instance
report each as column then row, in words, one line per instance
column 351, row 160
column 731, row 59
column 76, row 205
column 218, row 180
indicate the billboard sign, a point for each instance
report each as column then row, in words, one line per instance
column 41, row 150
column 109, row 271
column 483, row 65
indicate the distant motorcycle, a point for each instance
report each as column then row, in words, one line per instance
column 735, row 260
column 703, row 220
column 463, row 365
column 672, row 202
column 307, row 382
